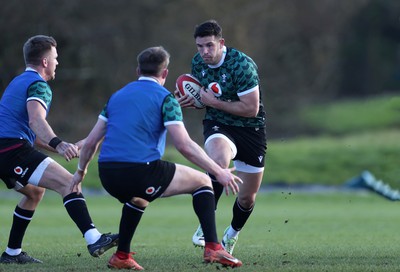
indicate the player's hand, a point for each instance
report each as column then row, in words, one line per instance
column 80, row 144
column 185, row 101
column 76, row 181
column 207, row 97
column 67, row 150
column 229, row 180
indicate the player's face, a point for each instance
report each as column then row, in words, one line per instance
column 51, row 64
column 210, row 49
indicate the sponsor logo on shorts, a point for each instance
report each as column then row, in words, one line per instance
column 150, row 190
column 18, row 170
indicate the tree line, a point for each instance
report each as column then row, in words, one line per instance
column 308, row 52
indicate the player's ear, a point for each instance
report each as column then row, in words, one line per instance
column 222, row 42
column 138, row 71
column 165, row 73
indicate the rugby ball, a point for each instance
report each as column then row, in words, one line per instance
column 188, row 84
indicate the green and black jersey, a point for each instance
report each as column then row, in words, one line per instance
column 237, row 76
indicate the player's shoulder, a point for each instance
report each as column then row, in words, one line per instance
column 235, row 55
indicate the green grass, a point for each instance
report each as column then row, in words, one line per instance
column 334, row 160
column 353, row 116
column 288, row 231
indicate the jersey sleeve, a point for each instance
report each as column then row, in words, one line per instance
column 41, row 92
column 103, row 114
column 171, row 111
column 246, row 75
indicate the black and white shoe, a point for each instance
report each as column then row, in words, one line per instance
column 105, row 242
column 22, row 258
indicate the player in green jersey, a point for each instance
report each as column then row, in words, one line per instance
column 234, row 122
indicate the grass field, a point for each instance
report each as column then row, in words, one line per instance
column 288, row 231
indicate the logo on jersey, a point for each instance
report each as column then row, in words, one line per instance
column 223, row 78
column 260, row 158
column 203, row 73
column 215, row 88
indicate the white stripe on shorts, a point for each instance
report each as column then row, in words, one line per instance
column 246, row 168
column 38, row 173
column 222, row 136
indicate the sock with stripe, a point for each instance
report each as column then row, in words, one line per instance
column 75, row 204
column 130, row 218
column 240, row 216
column 218, row 189
column 204, row 207
column 21, row 220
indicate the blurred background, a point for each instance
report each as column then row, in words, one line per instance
column 329, row 69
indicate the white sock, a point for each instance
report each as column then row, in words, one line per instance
column 232, row 233
column 91, row 236
column 13, row 252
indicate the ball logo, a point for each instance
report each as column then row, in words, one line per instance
column 215, row 88
column 188, row 87
column 150, row 190
column 18, row 170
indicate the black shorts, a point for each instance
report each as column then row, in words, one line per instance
column 250, row 142
column 18, row 160
column 127, row 180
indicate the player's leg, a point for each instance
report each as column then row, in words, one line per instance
column 249, row 163
column 123, row 182
column 132, row 212
column 23, row 214
column 189, row 180
column 242, row 208
column 51, row 175
column 221, row 149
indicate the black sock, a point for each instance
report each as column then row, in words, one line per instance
column 218, row 189
column 76, row 207
column 130, row 218
column 204, row 207
column 21, row 220
column 240, row 216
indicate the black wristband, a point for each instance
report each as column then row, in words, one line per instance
column 54, row 142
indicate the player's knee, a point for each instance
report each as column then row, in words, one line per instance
column 205, row 180
column 36, row 194
column 222, row 162
column 247, row 202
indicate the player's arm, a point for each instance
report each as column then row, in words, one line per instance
column 91, row 145
column 44, row 133
column 195, row 154
column 89, row 148
column 246, row 106
column 173, row 121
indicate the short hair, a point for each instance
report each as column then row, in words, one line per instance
column 36, row 47
column 153, row 60
column 208, row 28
